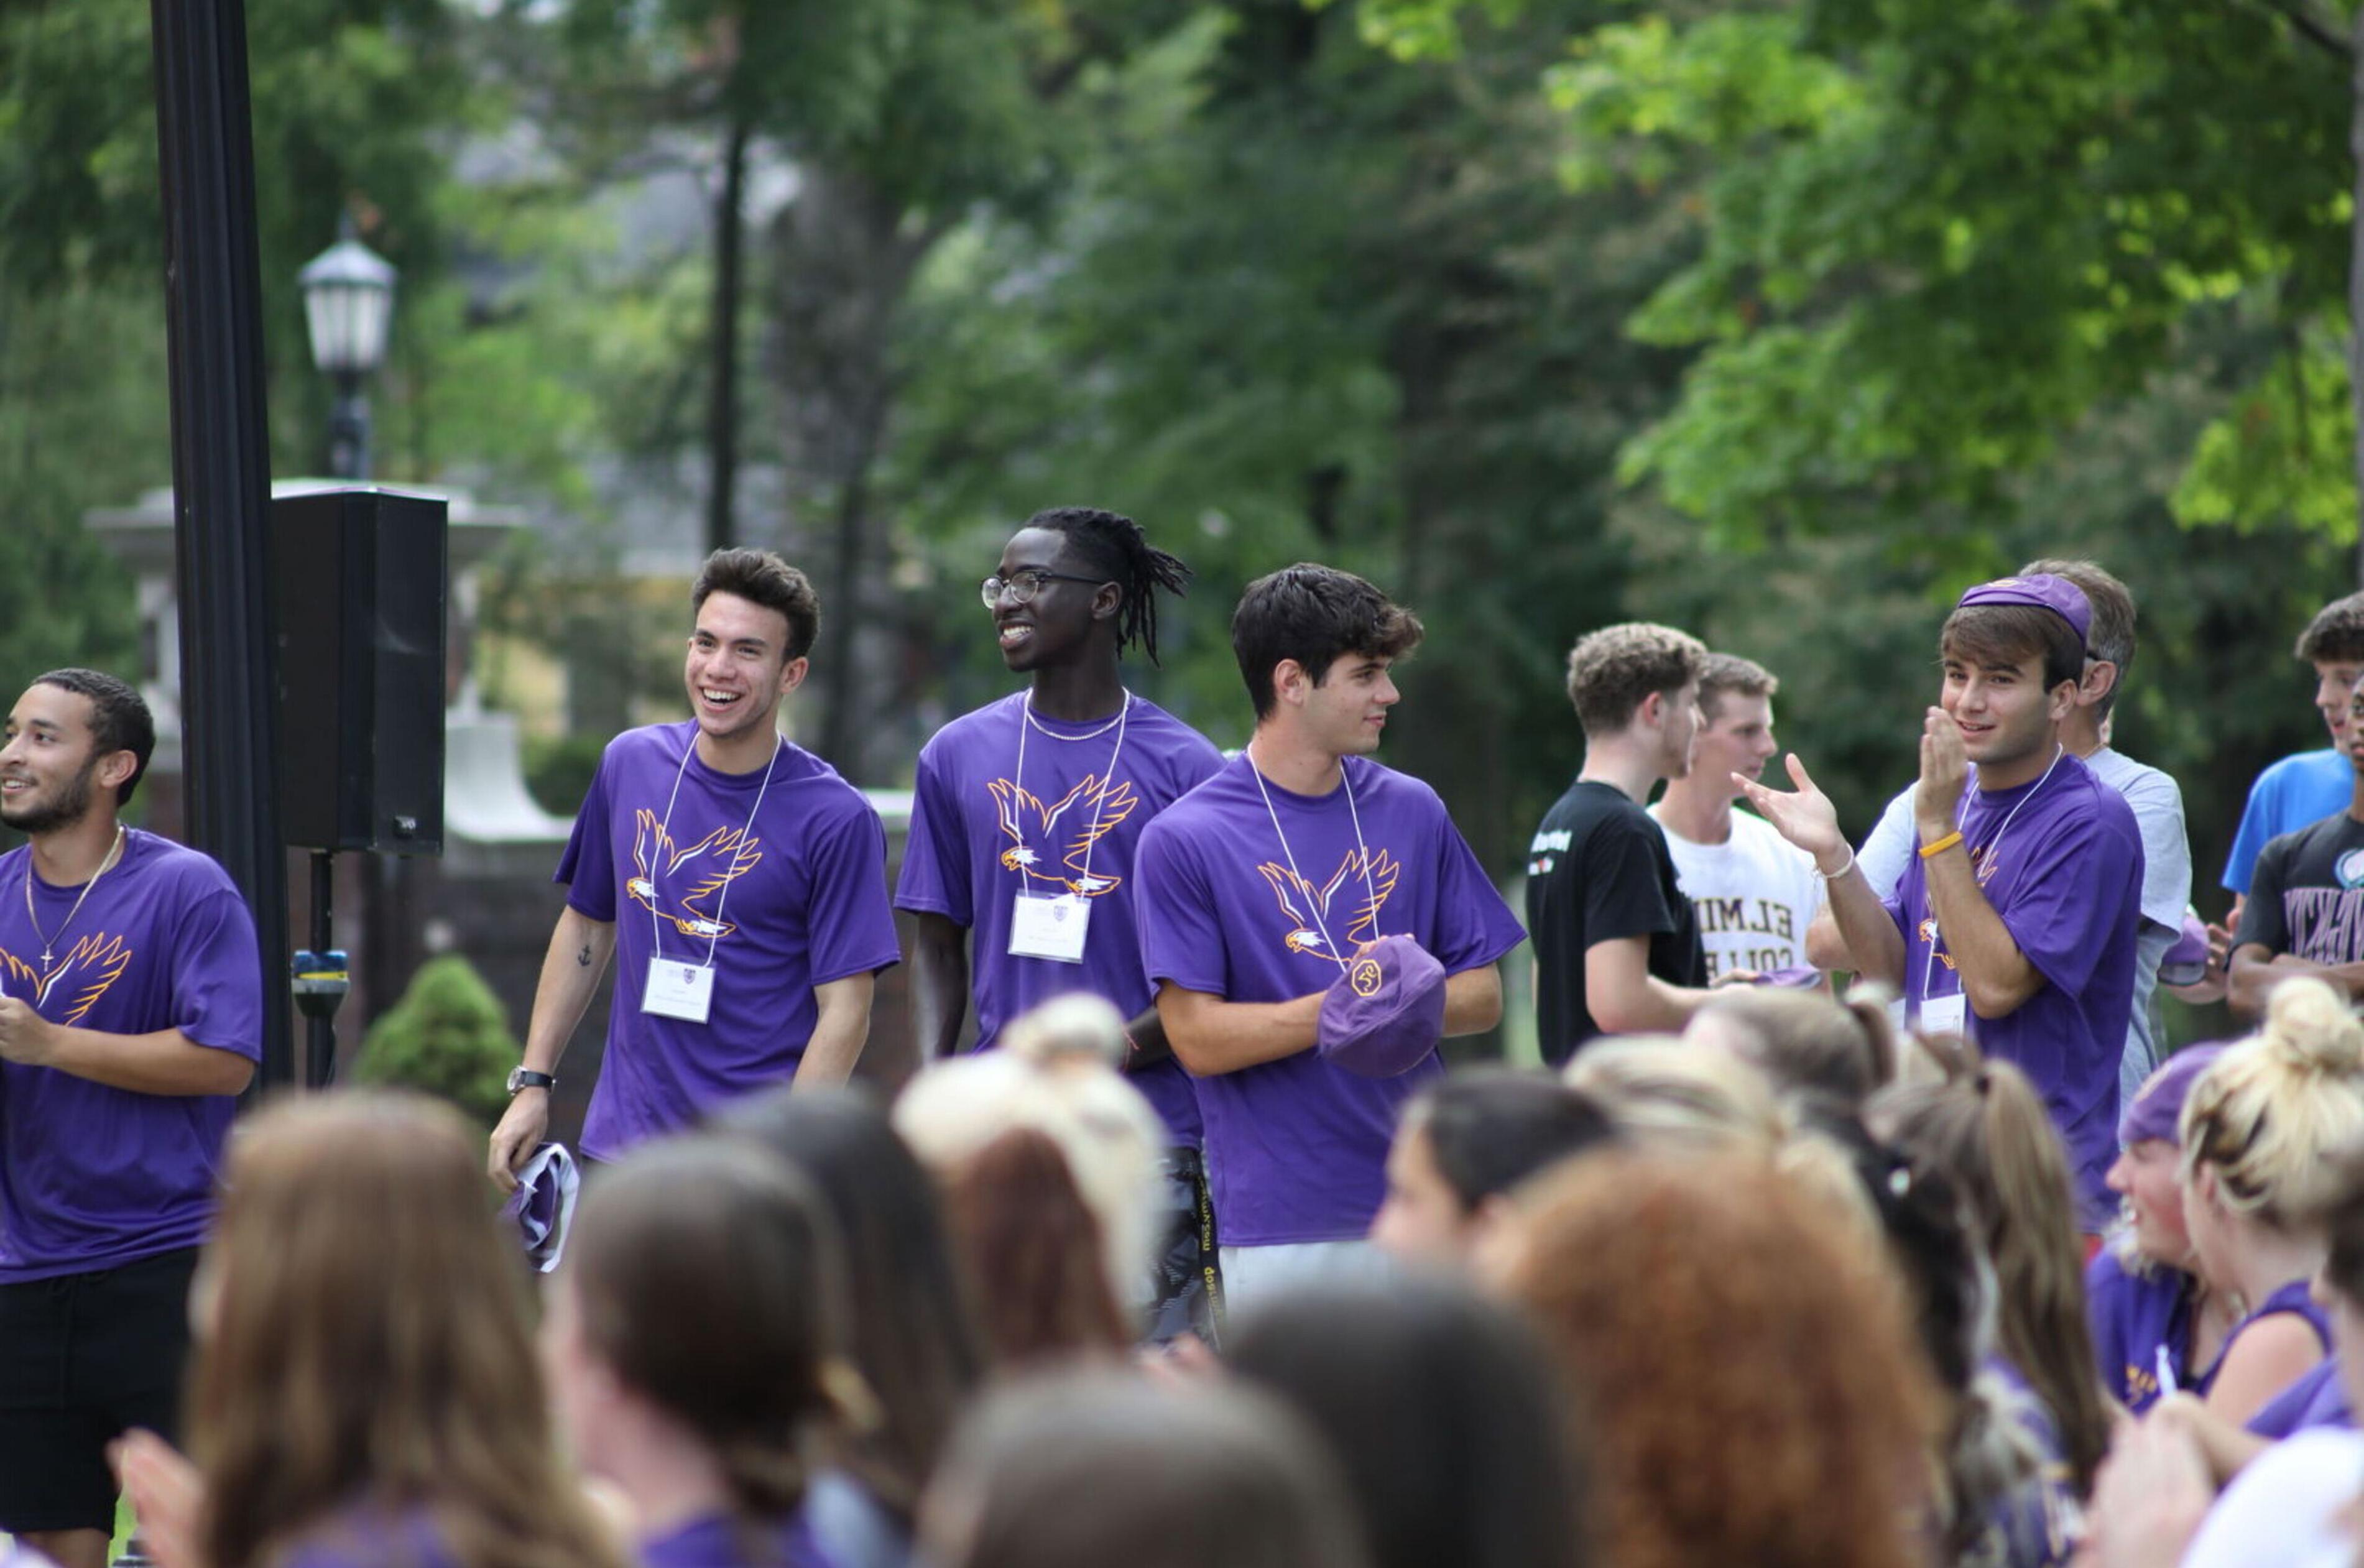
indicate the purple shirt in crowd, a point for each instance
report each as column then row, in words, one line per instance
column 2316, row 1399
column 797, row 902
column 93, row 1176
column 366, row 1536
column 2133, row 1317
column 2060, row 859
column 1297, row 1149
column 981, row 835
column 716, row 1540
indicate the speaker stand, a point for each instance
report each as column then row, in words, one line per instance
column 321, row 978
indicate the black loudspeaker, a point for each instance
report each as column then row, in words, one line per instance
column 358, row 597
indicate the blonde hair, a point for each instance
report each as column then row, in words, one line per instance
column 1666, row 1095
column 1669, row 1095
column 1053, row 1075
column 2268, row 1114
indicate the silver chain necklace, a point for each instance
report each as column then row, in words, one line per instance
column 47, row 941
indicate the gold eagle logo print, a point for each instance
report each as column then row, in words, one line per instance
column 708, row 866
column 1307, row 909
column 1068, row 828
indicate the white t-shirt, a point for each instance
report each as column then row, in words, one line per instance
column 2286, row 1509
column 1754, row 895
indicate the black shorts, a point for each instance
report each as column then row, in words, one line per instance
column 83, row 1358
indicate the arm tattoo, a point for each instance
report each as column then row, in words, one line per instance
column 583, row 957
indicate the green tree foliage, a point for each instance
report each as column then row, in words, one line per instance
column 447, row 1036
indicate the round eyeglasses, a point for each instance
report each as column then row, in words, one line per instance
column 1024, row 584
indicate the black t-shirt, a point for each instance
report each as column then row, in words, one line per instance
column 1598, row 869
column 2307, row 896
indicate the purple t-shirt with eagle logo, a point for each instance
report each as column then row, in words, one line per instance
column 2060, row 859
column 91, row 1176
column 1297, row 1149
column 1069, row 822
column 2134, row 1316
column 796, row 900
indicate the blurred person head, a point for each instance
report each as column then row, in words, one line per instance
column 1804, row 1042
column 1660, row 1093
column 1987, row 1130
column 2261, row 1126
column 1462, row 1144
column 1055, row 1072
column 1638, row 684
column 912, row 1333
column 363, row 1339
column 1315, row 646
column 1444, row 1413
column 2109, row 640
column 2333, row 643
column 696, row 1324
column 2341, row 1283
column 1099, row 1469
column 1031, row 1252
column 2148, row 1173
column 1752, row 1383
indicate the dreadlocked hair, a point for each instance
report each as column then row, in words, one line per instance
column 1117, row 546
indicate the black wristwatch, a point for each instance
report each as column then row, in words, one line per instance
column 527, row 1078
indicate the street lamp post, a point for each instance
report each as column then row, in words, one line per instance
column 348, row 305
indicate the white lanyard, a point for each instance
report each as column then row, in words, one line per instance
column 1961, row 812
column 1313, row 904
column 1028, row 721
column 664, row 843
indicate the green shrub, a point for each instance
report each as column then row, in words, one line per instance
column 447, row 1036
column 558, row 770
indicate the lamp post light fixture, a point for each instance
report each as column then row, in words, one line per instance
column 348, row 305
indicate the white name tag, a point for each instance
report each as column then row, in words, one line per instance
column 679, row 990
column 1945, row 1015
column 1050, row 928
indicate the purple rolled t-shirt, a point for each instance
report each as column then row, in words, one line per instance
column 2060, row 859
column 91, row 1176
column 982, row 834
column 1297, row 1149
column 797, row 901
column 2133, row 1318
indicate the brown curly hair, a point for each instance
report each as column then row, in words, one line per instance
column 1748, row 1378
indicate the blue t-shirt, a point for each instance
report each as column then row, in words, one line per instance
column 2300, row 789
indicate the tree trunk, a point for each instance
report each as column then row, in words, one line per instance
column 722, row 390
column 842, row 259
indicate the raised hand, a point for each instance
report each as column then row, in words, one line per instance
column 1803, row 816
column 1944, row 773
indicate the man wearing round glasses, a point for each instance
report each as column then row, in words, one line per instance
column 1025, row 818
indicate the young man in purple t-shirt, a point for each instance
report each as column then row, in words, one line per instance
column 2016, row 922
column 1258, row 890
column 740, row 883
column 1025, row 818
column 130, row 1018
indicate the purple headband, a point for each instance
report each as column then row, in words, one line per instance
column 2158, row 1104
column 2057, row 595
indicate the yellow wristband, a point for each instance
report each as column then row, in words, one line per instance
column 1942, row 845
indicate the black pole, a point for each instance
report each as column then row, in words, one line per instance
column 221, row 474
